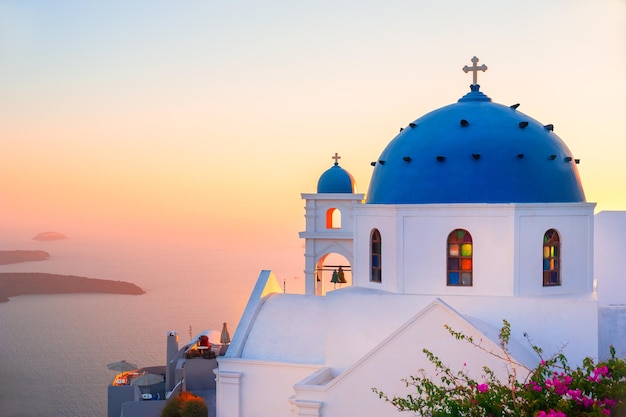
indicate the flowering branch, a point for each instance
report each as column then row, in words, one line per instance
column 551, row 389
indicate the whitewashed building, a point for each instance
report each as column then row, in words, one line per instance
column 475, row 213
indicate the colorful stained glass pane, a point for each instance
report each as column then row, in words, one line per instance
column 460, row 258
column 376, row 247
column 551, row 236
column 466, row 264
column 551, row 255
column 554, row 277
column 376, row 275
column 550, row 278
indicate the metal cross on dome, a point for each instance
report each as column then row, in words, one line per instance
column 475, row 68
column 336, row 158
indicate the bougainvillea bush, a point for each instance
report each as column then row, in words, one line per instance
column 551, row 389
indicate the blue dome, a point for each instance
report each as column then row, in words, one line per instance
column 475, row 151
column 336, row 180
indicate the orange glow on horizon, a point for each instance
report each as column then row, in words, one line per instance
column 215, row 143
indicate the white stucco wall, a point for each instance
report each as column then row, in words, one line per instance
column 610, row 273
column 567, row 324
column 289, row 337
column 507, row 252
column 612, row 330
column 574, row 223
column 384, row 219
column 425, row 251
column 338, row 329
column 263, row 390
column 289, row 328
column 396, row 357
column 610, row 269
column 321, row 240
column 318, row 204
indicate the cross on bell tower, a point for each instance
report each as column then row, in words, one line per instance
column 475, row 68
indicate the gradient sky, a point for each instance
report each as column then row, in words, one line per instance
column 207, row 119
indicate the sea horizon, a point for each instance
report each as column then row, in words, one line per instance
column 56, row 347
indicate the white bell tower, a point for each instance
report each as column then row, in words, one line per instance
column 329, row 223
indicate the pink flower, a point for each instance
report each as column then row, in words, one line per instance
column 482, row 387
column 559, row 385
column 575, row 394
column 587, row 402
column 603, row 371
column 599, row 373
column 606, row 412
column 609, row 402
column 551, row 413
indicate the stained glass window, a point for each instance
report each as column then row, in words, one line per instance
column 376, row 253
column 460, row 262
column 551, row 258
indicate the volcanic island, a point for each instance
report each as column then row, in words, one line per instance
column 20, row 283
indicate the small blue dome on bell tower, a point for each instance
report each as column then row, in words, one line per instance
column 336, row 180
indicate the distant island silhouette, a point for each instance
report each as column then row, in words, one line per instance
column 15, row 256
column 20, row 283
column 48, row 236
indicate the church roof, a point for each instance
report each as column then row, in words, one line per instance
column 475, row 151
column 336, row 180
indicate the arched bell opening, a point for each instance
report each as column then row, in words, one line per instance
column 332, row 272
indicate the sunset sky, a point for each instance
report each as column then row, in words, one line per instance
column 197, row 119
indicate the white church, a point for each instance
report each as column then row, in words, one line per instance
column 475, row 213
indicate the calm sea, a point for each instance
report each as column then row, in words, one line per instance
column 54, row 348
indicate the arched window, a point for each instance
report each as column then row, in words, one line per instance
column 375, row 256
column 460, row 258
column 333, row 218
column 551, row 258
